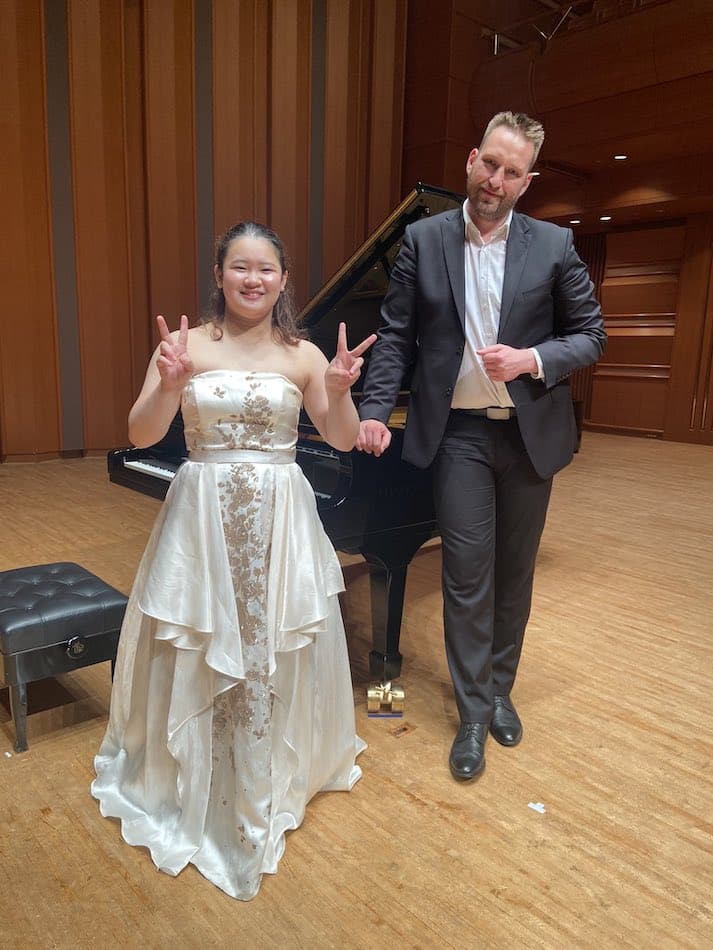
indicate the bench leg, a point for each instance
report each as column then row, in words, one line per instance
column 18, row 710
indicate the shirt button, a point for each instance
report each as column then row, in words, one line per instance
column 449, row 391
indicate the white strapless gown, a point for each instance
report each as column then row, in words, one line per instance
column 232, row 699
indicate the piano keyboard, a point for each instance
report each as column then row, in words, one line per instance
column 164, row 470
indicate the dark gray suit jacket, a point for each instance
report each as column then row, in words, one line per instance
column 547, row 302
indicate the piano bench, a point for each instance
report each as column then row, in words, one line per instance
column 54, row 618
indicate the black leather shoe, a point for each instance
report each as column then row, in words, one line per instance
column 467, row 758
column 505, row 726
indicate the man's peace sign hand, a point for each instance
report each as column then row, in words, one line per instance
column 345, row 368
column 173, row 362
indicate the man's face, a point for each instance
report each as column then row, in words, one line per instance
column 498, row 173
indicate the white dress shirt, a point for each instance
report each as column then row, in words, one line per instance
column 484, row 275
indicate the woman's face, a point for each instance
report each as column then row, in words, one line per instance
column 251, row 278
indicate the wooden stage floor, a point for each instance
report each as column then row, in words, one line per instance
column 615, row 691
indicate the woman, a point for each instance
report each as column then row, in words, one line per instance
column 232, row 704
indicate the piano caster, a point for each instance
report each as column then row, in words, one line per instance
column 385, row 701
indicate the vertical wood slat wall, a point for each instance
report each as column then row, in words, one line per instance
column 363, row 122
column 289, row 141
column 169, row 100
column 592, row 249
column 241, row 97
column 689, row 409
column 101, row 238
column 29, row 362
column 314, row 151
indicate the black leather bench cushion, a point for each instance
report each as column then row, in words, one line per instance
column 50, row 603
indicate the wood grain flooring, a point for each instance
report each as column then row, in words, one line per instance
column 614, row 690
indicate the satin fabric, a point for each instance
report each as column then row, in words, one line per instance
column 232, row 701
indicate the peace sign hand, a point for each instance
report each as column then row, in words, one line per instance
column 345, row 368
column 173, row 362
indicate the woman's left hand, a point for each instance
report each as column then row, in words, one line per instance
column 345, row 368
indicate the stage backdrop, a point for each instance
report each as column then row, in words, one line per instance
column 133, row 133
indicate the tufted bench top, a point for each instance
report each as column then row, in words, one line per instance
column 50, row 603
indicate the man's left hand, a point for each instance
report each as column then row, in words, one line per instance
column 505, row 363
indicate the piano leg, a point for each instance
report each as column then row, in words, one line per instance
column 387, row 605
column 387, row 569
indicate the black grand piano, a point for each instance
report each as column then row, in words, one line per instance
column 379, row 508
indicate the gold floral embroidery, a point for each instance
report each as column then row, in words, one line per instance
column 247, row 706
column 242, row 714
column 246, row 412
column 254, row 426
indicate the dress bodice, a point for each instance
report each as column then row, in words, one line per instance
column 243, row 410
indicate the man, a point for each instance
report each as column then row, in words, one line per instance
column 493, row 310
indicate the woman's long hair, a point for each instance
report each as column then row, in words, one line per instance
column 284, row 312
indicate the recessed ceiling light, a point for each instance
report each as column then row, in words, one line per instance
column 620, row 158
column 605, row 217
column 575, row 221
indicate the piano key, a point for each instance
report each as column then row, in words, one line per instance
column 164, row 470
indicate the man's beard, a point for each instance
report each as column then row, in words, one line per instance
column 488, row 210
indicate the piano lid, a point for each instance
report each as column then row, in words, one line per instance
column 354, row 294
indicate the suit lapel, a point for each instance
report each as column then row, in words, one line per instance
column 453, row 227
column 518, row 245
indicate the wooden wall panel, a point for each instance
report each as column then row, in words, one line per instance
column 29, row 384
column 674, row 36
column 290, row 90
column 689, row 411
column 386, row 102
column 647, row 114
column 639, row 294
column 137, row 198
column 649, row 346
column 426, row 126
column 363, row 121
column 629, row 399
column 630, row 248
column 170, row 161
column 241, row 127
column 592, row 249
column 347, row 71
column 139, row 327
column 622, row 56
column 100, row 219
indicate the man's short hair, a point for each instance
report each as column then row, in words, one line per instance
column 530, row 129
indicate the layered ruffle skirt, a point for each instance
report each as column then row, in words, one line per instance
column 232, row 701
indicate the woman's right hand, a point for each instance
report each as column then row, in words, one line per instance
column 173, row 362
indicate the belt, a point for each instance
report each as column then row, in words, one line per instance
column 492, row 412
column 242, row 456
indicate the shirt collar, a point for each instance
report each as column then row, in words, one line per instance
column 473, row 234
